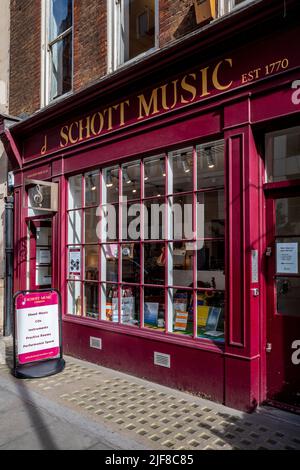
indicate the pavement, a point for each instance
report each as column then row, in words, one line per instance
column 91, row 407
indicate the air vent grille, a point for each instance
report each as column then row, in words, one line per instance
column 163, row 360
column 95, row 343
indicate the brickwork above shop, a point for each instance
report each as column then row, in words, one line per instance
column 177, row 18
column 25, row 57
column 90, row 42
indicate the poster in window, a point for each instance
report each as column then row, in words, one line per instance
column 75, row 261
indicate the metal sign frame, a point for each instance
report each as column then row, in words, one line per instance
column 39, row 368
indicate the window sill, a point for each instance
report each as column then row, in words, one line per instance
column 172, row 338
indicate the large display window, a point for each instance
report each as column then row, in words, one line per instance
column 146, row 243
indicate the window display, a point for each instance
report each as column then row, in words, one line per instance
column 166, row 265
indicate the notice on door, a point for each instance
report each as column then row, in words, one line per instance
column 75, row 261
column 287, row 258
column 37, row 324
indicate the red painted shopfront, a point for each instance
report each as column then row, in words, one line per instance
column 214, row 311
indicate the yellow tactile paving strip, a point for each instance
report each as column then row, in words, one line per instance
column 156, row 416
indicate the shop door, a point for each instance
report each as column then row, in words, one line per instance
column 283, row 300
column 40, row 261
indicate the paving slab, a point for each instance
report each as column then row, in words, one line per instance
column 150, row 416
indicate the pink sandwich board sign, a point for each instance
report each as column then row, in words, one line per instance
column 37, row 333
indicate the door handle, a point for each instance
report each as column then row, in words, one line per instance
column 269, row 347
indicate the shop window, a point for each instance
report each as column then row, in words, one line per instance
column 160, row 250
column 283, row 155
column 132, row 29
column 57, row 46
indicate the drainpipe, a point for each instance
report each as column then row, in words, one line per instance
column 9, row 265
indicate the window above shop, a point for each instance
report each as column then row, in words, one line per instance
column 132, row 30
column 283, row 155
column 57, row 49
column 146, row 243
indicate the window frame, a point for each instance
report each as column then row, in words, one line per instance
column 167, row 241
column 231, row 7
column 115, row 46
column 45, row 90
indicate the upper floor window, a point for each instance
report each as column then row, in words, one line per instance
column 226, row 6
column 131, row 28
column 58, row 48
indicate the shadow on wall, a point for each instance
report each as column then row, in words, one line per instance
column 188, row 24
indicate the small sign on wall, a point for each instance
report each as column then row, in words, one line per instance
column 287, row 258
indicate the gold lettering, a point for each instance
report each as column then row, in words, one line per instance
column 122, row 111
column 215, row 77
column 64, row 136
column 145, row 108
column 164, row 97
column 204, row 81
column 71, row 139
column 44, row 148
column 188, row 87
column 175, row 94
column 109, row 118
column 87, row 128
column 101, row 123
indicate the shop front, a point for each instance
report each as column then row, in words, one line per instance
column 164, row 204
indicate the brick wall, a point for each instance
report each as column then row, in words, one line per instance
column 25, row 49
column 177, row 18
column 90, row 41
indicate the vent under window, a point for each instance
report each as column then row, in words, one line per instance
column 95, row 343
column 163, row 360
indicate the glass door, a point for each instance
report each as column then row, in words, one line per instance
column 283, row 299
column 40, row 254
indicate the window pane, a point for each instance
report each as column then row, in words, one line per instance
column 182, row 260
column 182, row 302
column 154, row 263
column 210, row 165
column 74, row 298
column 110, row 185
column 211, row 264
column 288, row 216
column 288, row 296
column 110, row 302
column 90, row 225
column 155, row 176
column 154, row 308
column 109, row 222
column 131, row 221
column 131, row 267
column 92, row 190
column 154, row 219
column 91, row 263
column 210, row 214
column 75, row 192
column 141, row 34
column 61, row 66
column 131, row 180
column 74, row 227
column 181, row 167
column 110, row 256
column 61, row 17
column 182, row 217
column 210, row 315
column 283, row 155
column 130, row 306
column 91, row 300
